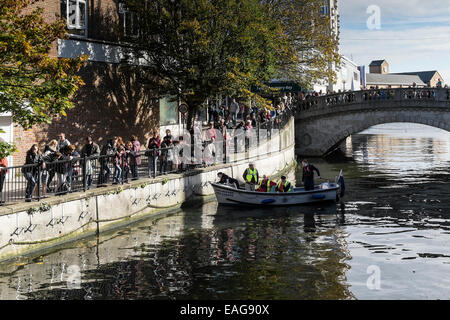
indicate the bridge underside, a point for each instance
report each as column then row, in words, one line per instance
column 317, row 136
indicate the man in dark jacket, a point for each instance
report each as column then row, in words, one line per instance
column 224, row 179
column 308, row 175
column 90, row 149
column 107, row 153
column 251, row 177
column 165, row 146
column 33, row 163
column 154, row 143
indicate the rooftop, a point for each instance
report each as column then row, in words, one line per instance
column 376, row 63
column 393, row 79
column 426, row 76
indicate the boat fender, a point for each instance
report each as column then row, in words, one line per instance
column 267, row 201
column 318, row 196
column 342, row 184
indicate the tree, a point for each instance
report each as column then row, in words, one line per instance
column 197, row 49
column 34, row 86
column 309, row 34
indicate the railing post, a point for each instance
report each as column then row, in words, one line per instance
column 84, row 174
column 123, row 168
column 155, row 161
column 224, row 146
column 39, row 181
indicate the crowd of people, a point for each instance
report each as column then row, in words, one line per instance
column 61, row 159
column 241, row 115
column 60, row 166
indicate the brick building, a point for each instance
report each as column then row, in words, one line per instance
column 431, row 78
column 380, row 77
column 111, row 102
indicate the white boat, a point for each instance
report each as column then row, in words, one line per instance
column 229, row 195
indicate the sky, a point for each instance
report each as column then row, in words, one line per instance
column 412, row 35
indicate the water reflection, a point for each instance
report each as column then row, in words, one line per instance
column 398, row 213
column 212, row 253
column 395, row 216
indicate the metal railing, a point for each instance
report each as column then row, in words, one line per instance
column 371, row 95
column 37, row 182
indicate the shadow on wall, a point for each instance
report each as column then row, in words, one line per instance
column 112, row 102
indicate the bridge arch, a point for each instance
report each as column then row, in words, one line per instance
column 341, row 136
column 323, row 127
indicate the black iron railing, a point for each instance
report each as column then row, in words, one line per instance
column 368, row 96
column 36, row 182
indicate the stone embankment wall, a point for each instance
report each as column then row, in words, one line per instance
column 27, row 228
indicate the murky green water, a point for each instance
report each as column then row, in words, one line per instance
column 388, row 239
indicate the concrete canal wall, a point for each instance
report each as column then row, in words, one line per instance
column 58, row 267
column 27, row 228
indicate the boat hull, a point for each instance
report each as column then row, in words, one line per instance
column 227, row 195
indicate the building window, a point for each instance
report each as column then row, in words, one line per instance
column 355, row 76
column 168, row 111
column 324, row 10
column 75, row 13
column 129, row 21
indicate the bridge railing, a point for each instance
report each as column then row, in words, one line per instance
column 371, row 95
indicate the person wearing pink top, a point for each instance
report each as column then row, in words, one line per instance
column 135, row 157
column 211, row 133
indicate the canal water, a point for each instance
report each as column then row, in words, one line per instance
column 389, row 238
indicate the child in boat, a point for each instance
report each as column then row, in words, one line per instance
column 267, row 185
column 284, row 185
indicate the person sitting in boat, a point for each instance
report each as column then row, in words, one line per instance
column 224, row 179
column 308, row 175
column 266, row 185
column 284, row 185
column 251, row 177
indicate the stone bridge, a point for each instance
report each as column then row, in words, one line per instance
column 323, row 123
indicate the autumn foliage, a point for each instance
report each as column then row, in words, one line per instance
column 34, row 86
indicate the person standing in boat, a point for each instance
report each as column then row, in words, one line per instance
column 251, row 177
column 308, row 175
column 284, row 185
column 225, row 179
column 266, row 185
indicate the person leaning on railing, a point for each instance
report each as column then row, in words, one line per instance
column 121, row 167
column 71, row 155
column 135, row 159
column 152, row 153
column 166, row 156
column 90, row 149
column 62, row 173
column 107, row 153
column 48, row 174
column 33, row 163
